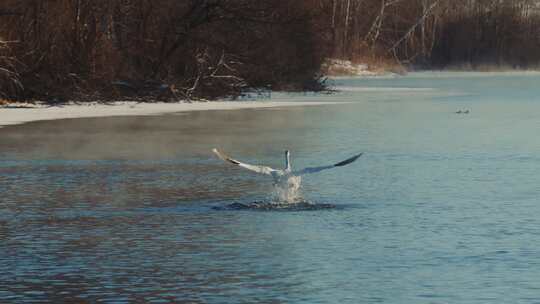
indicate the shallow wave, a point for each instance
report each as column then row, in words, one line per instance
column 273, row 206
column 381, row 89
column 470, row 74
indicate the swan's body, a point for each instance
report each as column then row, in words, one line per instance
column 285, row 180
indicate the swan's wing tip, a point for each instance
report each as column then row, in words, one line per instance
column 255, row 168
column 348, row 161
column 216, row 152
column 225, row 157
column 219, row 154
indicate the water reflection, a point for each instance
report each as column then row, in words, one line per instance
column 137, row 256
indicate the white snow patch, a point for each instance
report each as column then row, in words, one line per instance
column 23, row 112
column 340, row 67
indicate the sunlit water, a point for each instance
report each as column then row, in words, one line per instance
column 442, row 208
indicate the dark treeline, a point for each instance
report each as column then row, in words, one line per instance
column 437, row 33
column 165, row 49
column 501, row 33
column 57, row 50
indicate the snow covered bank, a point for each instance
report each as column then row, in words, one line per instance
column 339, row 67
column 22, row 113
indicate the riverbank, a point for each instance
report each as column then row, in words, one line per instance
column 22, row 113
column 335, row 67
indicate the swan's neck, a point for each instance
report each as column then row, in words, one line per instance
column 287, row 161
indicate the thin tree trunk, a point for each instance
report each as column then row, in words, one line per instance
column 423, row 31
column 345, row 31
column 334, row 36
column 411, row 30
column 334, row 6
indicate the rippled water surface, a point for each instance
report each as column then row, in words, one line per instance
column 442, row 207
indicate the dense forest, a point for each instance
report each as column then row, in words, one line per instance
column 58, row 50
column 438, row 33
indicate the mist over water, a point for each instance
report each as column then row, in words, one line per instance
column 441, row 208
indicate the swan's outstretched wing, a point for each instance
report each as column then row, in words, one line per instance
column 318, row 169
column 254, row 168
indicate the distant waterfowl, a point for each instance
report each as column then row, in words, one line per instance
column 463, row 111
column 285, row 179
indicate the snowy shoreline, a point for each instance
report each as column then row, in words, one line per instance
column 22, row 113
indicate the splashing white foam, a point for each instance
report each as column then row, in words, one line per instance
column 287, row 191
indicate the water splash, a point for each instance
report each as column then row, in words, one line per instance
column 286, row 196
column 273, row 206
column 288, row 191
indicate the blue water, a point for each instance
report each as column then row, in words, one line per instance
column 442, row 207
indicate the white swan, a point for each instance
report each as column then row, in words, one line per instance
column 285, row 179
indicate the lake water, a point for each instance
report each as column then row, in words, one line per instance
column 442, row 207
